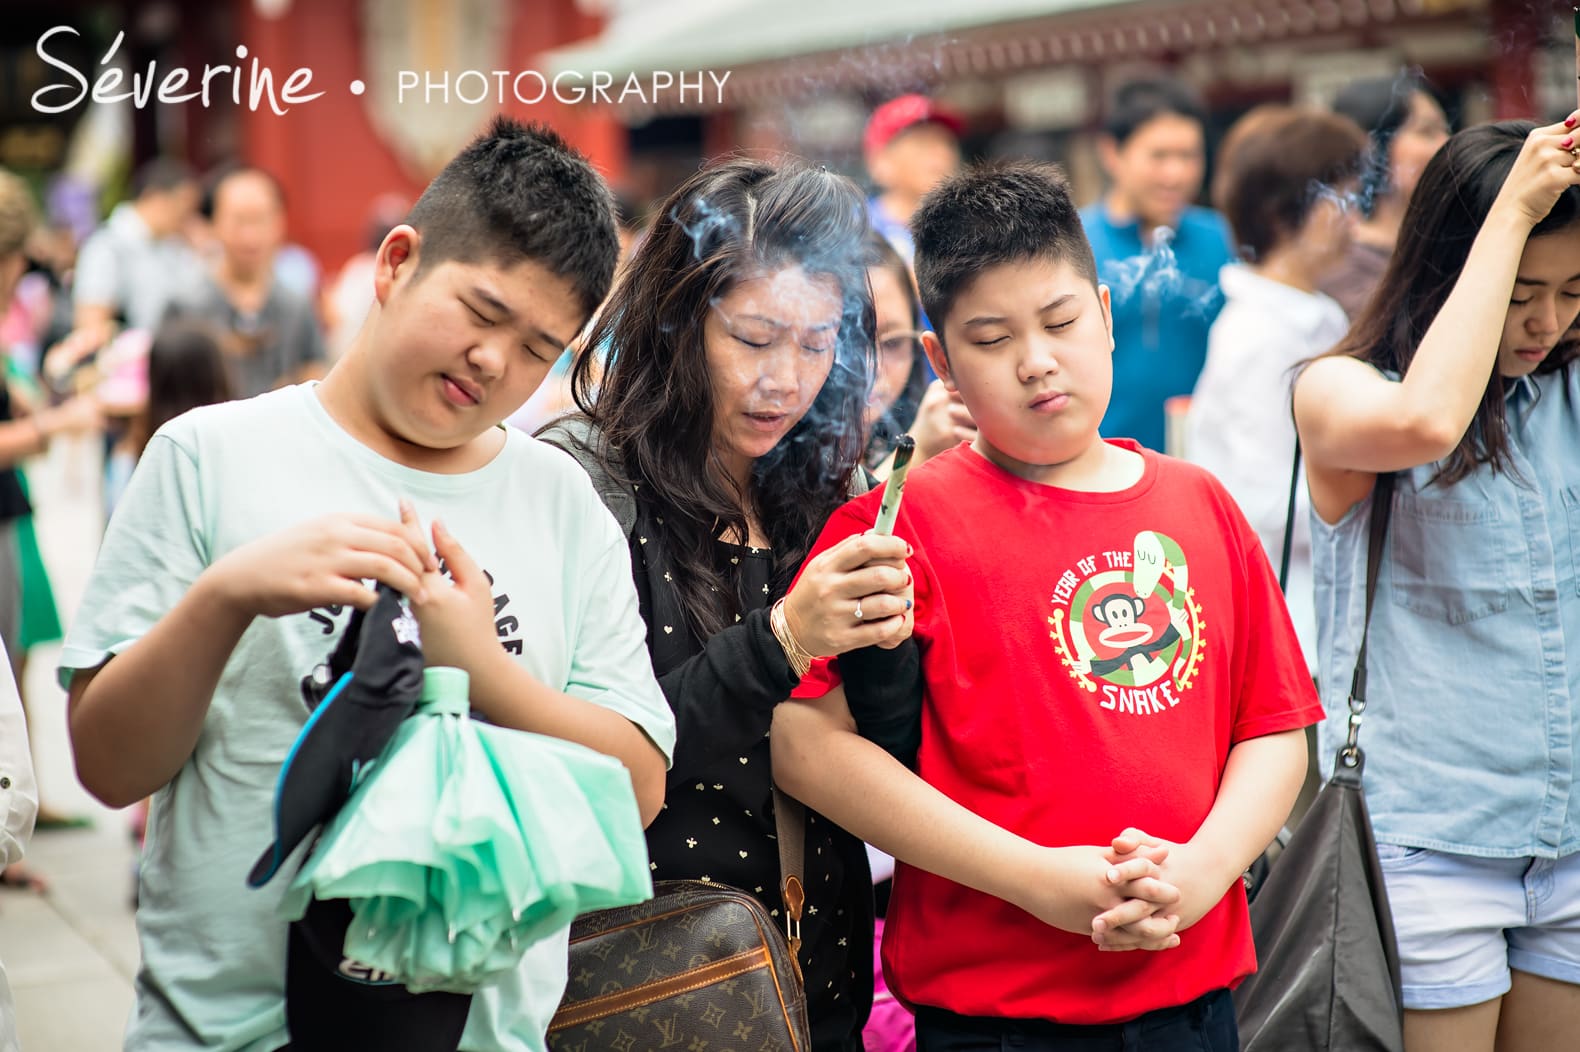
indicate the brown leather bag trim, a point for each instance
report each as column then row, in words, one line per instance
column 784, row 1006
column 658, row 990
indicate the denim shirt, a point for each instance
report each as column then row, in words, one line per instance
column 1473, row 717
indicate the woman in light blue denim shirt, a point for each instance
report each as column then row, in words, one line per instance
column 1456, row 378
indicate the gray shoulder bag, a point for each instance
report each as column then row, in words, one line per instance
column 1327, row 964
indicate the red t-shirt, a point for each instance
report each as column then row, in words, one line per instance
column 1089, row 659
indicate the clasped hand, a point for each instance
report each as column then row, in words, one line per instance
column 1146, row 921
column 1071, row 888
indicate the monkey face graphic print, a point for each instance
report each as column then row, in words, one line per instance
column 1126, row 625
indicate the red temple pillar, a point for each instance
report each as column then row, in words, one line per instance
column 1519, row 28
column 328, row 155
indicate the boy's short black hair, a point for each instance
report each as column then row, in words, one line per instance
column 1140, row 101
column 990, row 214
column 519, row 192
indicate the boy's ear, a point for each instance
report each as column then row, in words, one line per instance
column 1106, row 299
column 396, row 260
column 934, row 349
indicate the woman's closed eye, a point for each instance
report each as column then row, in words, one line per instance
column 821, row 342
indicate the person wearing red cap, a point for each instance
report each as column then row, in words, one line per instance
column 912, row 144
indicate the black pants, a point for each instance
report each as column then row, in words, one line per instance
column 331, row 1010
column 1205, row 1025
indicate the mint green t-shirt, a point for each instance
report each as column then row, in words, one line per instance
column 213, row 950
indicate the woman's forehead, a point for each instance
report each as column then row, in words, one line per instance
column 789, row 297
column 1551, row 259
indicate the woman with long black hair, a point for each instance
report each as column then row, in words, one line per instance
column 724, row 428
column 1458, row 385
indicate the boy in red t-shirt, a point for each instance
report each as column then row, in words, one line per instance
column 1112, row 694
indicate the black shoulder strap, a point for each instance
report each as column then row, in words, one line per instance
column 1382, row 509
column 1289, row 522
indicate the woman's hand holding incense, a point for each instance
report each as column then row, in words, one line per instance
column 1546, row 167
column 856, row 594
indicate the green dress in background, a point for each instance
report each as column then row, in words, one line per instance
column 40, row 618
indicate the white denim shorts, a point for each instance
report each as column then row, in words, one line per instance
column 1463, row 922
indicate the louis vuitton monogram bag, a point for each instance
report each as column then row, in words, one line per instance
column 701, row 967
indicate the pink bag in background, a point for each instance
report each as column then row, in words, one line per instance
column 891, row 1027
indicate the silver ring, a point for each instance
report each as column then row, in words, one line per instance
column 858, row 610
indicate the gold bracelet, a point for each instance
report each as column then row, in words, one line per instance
column 795, row 654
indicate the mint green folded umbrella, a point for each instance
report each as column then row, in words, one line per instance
column 466, row 843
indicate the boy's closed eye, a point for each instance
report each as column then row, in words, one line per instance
column 487, row 322
column 995, row 340
column 986, row 332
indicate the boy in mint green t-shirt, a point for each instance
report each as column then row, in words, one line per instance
column 249, row 531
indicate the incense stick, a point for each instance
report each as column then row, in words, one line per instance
column 894, row 488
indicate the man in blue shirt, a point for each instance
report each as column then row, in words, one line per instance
column 1158, row 253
